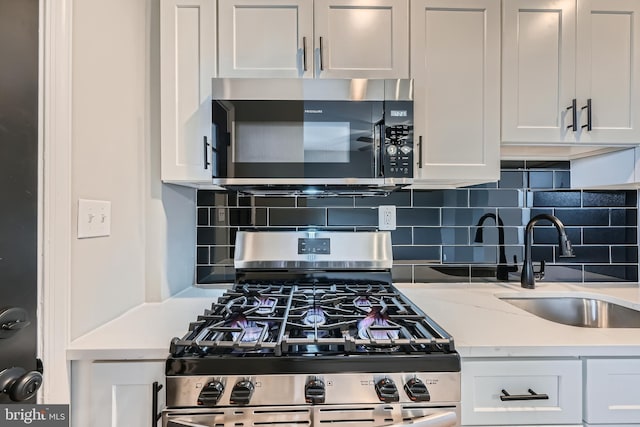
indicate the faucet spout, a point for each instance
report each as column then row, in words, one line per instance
column 527, row 279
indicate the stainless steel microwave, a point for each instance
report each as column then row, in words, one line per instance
column 312, row 136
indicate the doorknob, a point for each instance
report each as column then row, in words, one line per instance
column 19, row 384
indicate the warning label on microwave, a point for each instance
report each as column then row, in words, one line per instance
column 398, row 113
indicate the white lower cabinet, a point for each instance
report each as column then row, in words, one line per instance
column 612, row 391
column 115, row 393
column 499, row 392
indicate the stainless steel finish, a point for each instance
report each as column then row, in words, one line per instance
column 279, row 249
column 319, row 187
column 582, row 312
column 288, row 389
column 316, row 181
column 378, row 415
column 313, row 89
column 317, row 90
column 444, row 419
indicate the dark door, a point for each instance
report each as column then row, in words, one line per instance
column 19, row 378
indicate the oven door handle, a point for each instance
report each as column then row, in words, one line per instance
column 181, row 423
column 441, row 419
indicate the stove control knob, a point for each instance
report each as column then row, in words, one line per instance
column 417, row 391
column 387, row 390
column 211, row 393
column 241, row 392
column 314, row 391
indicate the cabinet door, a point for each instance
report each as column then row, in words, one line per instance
column 538, row 70
column 484, row 382
column 116, row 394
column 611, row 391
column 361, row 38
column 608, row 62
column 270, row 38
column 187, row 43
column 455, row 64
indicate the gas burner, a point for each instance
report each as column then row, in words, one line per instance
column 377, row 326
column 250, row 331
column 315, row 317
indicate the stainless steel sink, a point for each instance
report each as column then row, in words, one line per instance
column 576, row 311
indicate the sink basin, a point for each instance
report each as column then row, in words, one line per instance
column 576, row 311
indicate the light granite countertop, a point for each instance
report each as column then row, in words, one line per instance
column 482, row 325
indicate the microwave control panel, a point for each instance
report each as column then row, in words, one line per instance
column 398, row 151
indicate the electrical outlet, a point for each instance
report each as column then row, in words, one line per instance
column 387, row 217
column 94, row 218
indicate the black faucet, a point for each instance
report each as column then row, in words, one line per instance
column 527, row 280
column 502, row 272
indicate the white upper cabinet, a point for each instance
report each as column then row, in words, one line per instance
column 187, row 64
column 361, row 38
column 568, row 71
column 455, row 64
column 268, row 38
column 608, row 67
column 322, row 39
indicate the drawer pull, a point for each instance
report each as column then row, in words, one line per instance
column 532, row 396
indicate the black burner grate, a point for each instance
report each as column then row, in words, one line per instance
column 312, row 318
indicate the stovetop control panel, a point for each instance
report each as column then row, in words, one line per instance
column 345, row 388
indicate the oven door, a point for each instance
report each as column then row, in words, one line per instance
column 383, row 415
column 297, row 139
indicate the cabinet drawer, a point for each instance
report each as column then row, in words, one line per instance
column 611, row 391
column 483, row 382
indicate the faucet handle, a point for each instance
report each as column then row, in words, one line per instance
column 513, row 268
column 539, row 275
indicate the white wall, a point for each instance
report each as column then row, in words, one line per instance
column 149, row 255
column 108, row 124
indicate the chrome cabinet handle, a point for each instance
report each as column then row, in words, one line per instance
column 443, row 419
column 304, row 53
column 321, row 54
column 531, row 396
column 588, row 107
column 574, row 114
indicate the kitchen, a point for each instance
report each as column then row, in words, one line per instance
column 150, row 255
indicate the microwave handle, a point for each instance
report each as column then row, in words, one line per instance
column 378, row 148
column 206, row 152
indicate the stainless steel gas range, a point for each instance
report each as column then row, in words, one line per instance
column 313, row 332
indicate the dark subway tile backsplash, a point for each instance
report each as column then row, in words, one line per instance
column 435, row 238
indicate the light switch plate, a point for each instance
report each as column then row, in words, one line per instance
column 94, row 218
